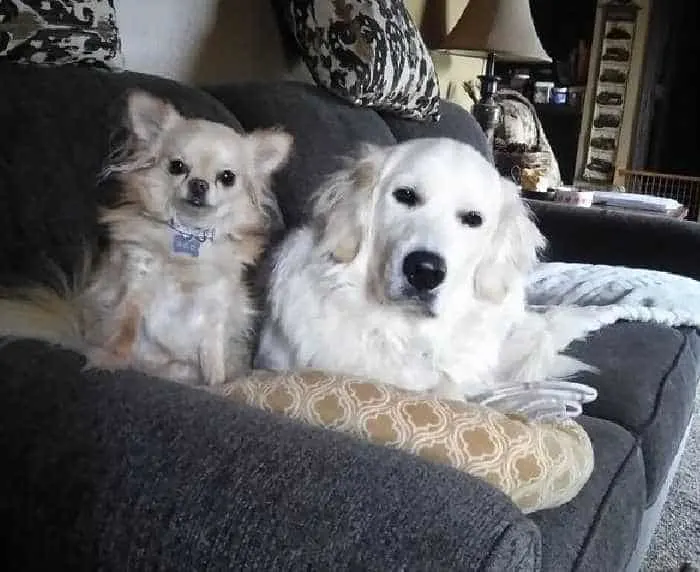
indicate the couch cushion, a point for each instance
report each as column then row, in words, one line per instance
column 647, row 382
column 60, row 33
column 369, row 53
column 538, row 465
column 598, row 529
column 455, row 123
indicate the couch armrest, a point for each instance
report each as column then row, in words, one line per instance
column 611, row 237
column 119, row 472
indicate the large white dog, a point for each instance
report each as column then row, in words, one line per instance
column 411, row 271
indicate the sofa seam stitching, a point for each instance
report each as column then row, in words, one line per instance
column 664, row 383
column 504, row 533
column 604, row 502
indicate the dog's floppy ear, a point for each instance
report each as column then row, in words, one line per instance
column 513, row 250
column 339, row 208
column 149, row 116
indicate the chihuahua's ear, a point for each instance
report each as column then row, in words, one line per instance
column 149, row 116
column 513, row 250
column 271, row 150
column 340, row 208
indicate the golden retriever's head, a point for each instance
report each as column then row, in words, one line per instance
column 203, row 173
column 431, row 221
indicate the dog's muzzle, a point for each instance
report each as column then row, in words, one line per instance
column 424, row 270
column 197, row 190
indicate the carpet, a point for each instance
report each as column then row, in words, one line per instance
column 677, row 538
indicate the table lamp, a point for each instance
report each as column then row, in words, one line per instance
column 500, row 29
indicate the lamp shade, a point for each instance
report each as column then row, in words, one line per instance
column 501, row 27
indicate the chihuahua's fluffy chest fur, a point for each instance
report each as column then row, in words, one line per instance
column 187, row 318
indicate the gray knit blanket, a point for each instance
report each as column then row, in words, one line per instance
column 602, row 295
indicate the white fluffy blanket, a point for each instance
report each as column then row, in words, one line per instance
column 605, row 294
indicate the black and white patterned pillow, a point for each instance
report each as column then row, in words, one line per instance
column 368, row 52
column 60, row 32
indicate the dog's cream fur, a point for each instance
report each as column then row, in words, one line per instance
column 339, row 301
column 150, row 305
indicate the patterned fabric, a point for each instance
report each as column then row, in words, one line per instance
column 538, row 466
column 521, row 143
column 60, row 32
column 519, row 122
column 368, row 52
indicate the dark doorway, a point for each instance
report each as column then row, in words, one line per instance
column 671, row 143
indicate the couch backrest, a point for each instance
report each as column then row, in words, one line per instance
column 326, row 130
column 58, row 125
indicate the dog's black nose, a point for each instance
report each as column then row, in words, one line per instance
column 424, row 270
column 197, row 192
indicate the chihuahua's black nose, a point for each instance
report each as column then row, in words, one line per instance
column 197, row 192
column 424, row 270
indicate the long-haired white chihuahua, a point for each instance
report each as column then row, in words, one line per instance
column 411, row 271
column 169, row 297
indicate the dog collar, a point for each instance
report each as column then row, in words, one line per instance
column 189, row 239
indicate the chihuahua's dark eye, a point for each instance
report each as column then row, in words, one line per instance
column 177, row 167
column 227, row 178
column 406, row 196
column 472, row 219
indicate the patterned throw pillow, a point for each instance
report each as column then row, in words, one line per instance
column 538, row 465
column 60, row 32
column 368, row 52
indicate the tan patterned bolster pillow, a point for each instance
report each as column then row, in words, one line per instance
column 538, row 465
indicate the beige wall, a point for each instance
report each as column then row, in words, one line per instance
column 626, row 142
column 202, row 40
column 216, row 41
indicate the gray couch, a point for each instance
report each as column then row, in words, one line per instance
column 122, row 472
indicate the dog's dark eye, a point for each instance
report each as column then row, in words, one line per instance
column 227, row 178
column 177, row 167
column 406, row 196
column 471, row 218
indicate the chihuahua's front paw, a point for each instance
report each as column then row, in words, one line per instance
column 211, row 364
column 212, row 356
column 100, row 358
column 213, row 373
column 122, row 342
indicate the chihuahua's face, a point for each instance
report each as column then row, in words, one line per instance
column 205, row 174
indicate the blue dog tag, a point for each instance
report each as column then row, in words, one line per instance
column 188, row 240
column 186, row 244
